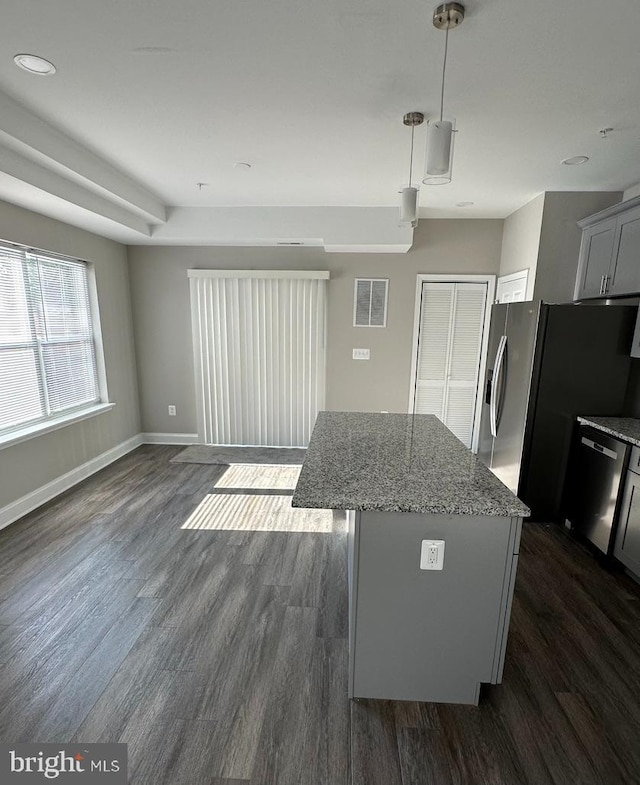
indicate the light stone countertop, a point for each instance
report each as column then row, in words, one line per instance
column 397, row 463
column 625, row 428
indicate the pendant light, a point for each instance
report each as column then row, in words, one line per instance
column 409, row 195
column 440, row 132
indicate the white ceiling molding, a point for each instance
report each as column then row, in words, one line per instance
column 42, row 138
column 50, row 182
column 338, row 229
column 41, row 156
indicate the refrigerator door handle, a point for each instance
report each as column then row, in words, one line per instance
column 495, row 386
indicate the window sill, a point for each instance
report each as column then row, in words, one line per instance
column 39, row 429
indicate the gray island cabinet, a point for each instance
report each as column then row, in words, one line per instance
column 417, row 633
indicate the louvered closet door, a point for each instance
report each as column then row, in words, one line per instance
column 449, row 349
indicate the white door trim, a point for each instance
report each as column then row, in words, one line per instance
column 490, row 280
column 514, row 276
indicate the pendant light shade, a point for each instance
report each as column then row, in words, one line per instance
column 409, row 206
column 439, row 152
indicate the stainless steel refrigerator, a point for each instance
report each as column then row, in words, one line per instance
column 546, row 364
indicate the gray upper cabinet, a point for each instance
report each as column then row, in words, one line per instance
column 625, row 276
column 596, row 253
column 609, row 263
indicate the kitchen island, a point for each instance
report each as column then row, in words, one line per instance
column 427, row 622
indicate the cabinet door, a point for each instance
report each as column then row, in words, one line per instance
column 627, row 544
column 625, row 272
column 596, row 254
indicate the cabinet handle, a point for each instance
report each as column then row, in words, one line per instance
column 607, row 278
column 601, row 285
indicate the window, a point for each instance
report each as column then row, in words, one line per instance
column 47, row 349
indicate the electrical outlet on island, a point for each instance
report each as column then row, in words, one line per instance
column 432, row 555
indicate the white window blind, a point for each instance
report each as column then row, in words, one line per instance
column 449, row 350
column 259, row 355
column 47, row 352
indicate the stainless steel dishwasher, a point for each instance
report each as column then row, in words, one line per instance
column 598, row 463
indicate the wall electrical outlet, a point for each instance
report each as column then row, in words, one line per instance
column 432, row 555
column 172, row 410
column 361, row 354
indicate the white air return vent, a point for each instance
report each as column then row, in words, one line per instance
column 370, row 302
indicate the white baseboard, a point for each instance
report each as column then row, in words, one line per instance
column 169, row 438
column 30, row 501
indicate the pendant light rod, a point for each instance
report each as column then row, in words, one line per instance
column 445, row 17
column 444, row 70
column 412, row 119
column 413, row 130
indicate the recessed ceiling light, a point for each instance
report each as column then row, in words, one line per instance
column 465, row 204
column 576, row 160
column 34, row 64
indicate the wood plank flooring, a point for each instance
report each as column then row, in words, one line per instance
column 220, row 656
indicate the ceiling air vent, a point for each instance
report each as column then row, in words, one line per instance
column 370, row 302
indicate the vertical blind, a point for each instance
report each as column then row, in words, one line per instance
column 259, row 355
column 449, row 352
column 47, row 353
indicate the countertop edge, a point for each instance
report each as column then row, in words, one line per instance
column 520, row 512
column 611, row 430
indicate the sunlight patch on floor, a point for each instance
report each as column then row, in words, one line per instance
column 252, row 512
column 252, row 475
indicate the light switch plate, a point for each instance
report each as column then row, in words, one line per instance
column 361, row 354
column 432, row 555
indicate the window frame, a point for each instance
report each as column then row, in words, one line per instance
column 47, row 424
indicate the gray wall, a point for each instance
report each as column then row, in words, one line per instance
column 30, row 464
column 631, row 192
column 560, row 240
column 521, row 241
column 162, row 327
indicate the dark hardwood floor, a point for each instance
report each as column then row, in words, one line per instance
column 220, row 656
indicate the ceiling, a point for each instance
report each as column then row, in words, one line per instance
column 151, row 98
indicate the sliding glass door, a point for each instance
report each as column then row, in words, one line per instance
column 259, row 355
